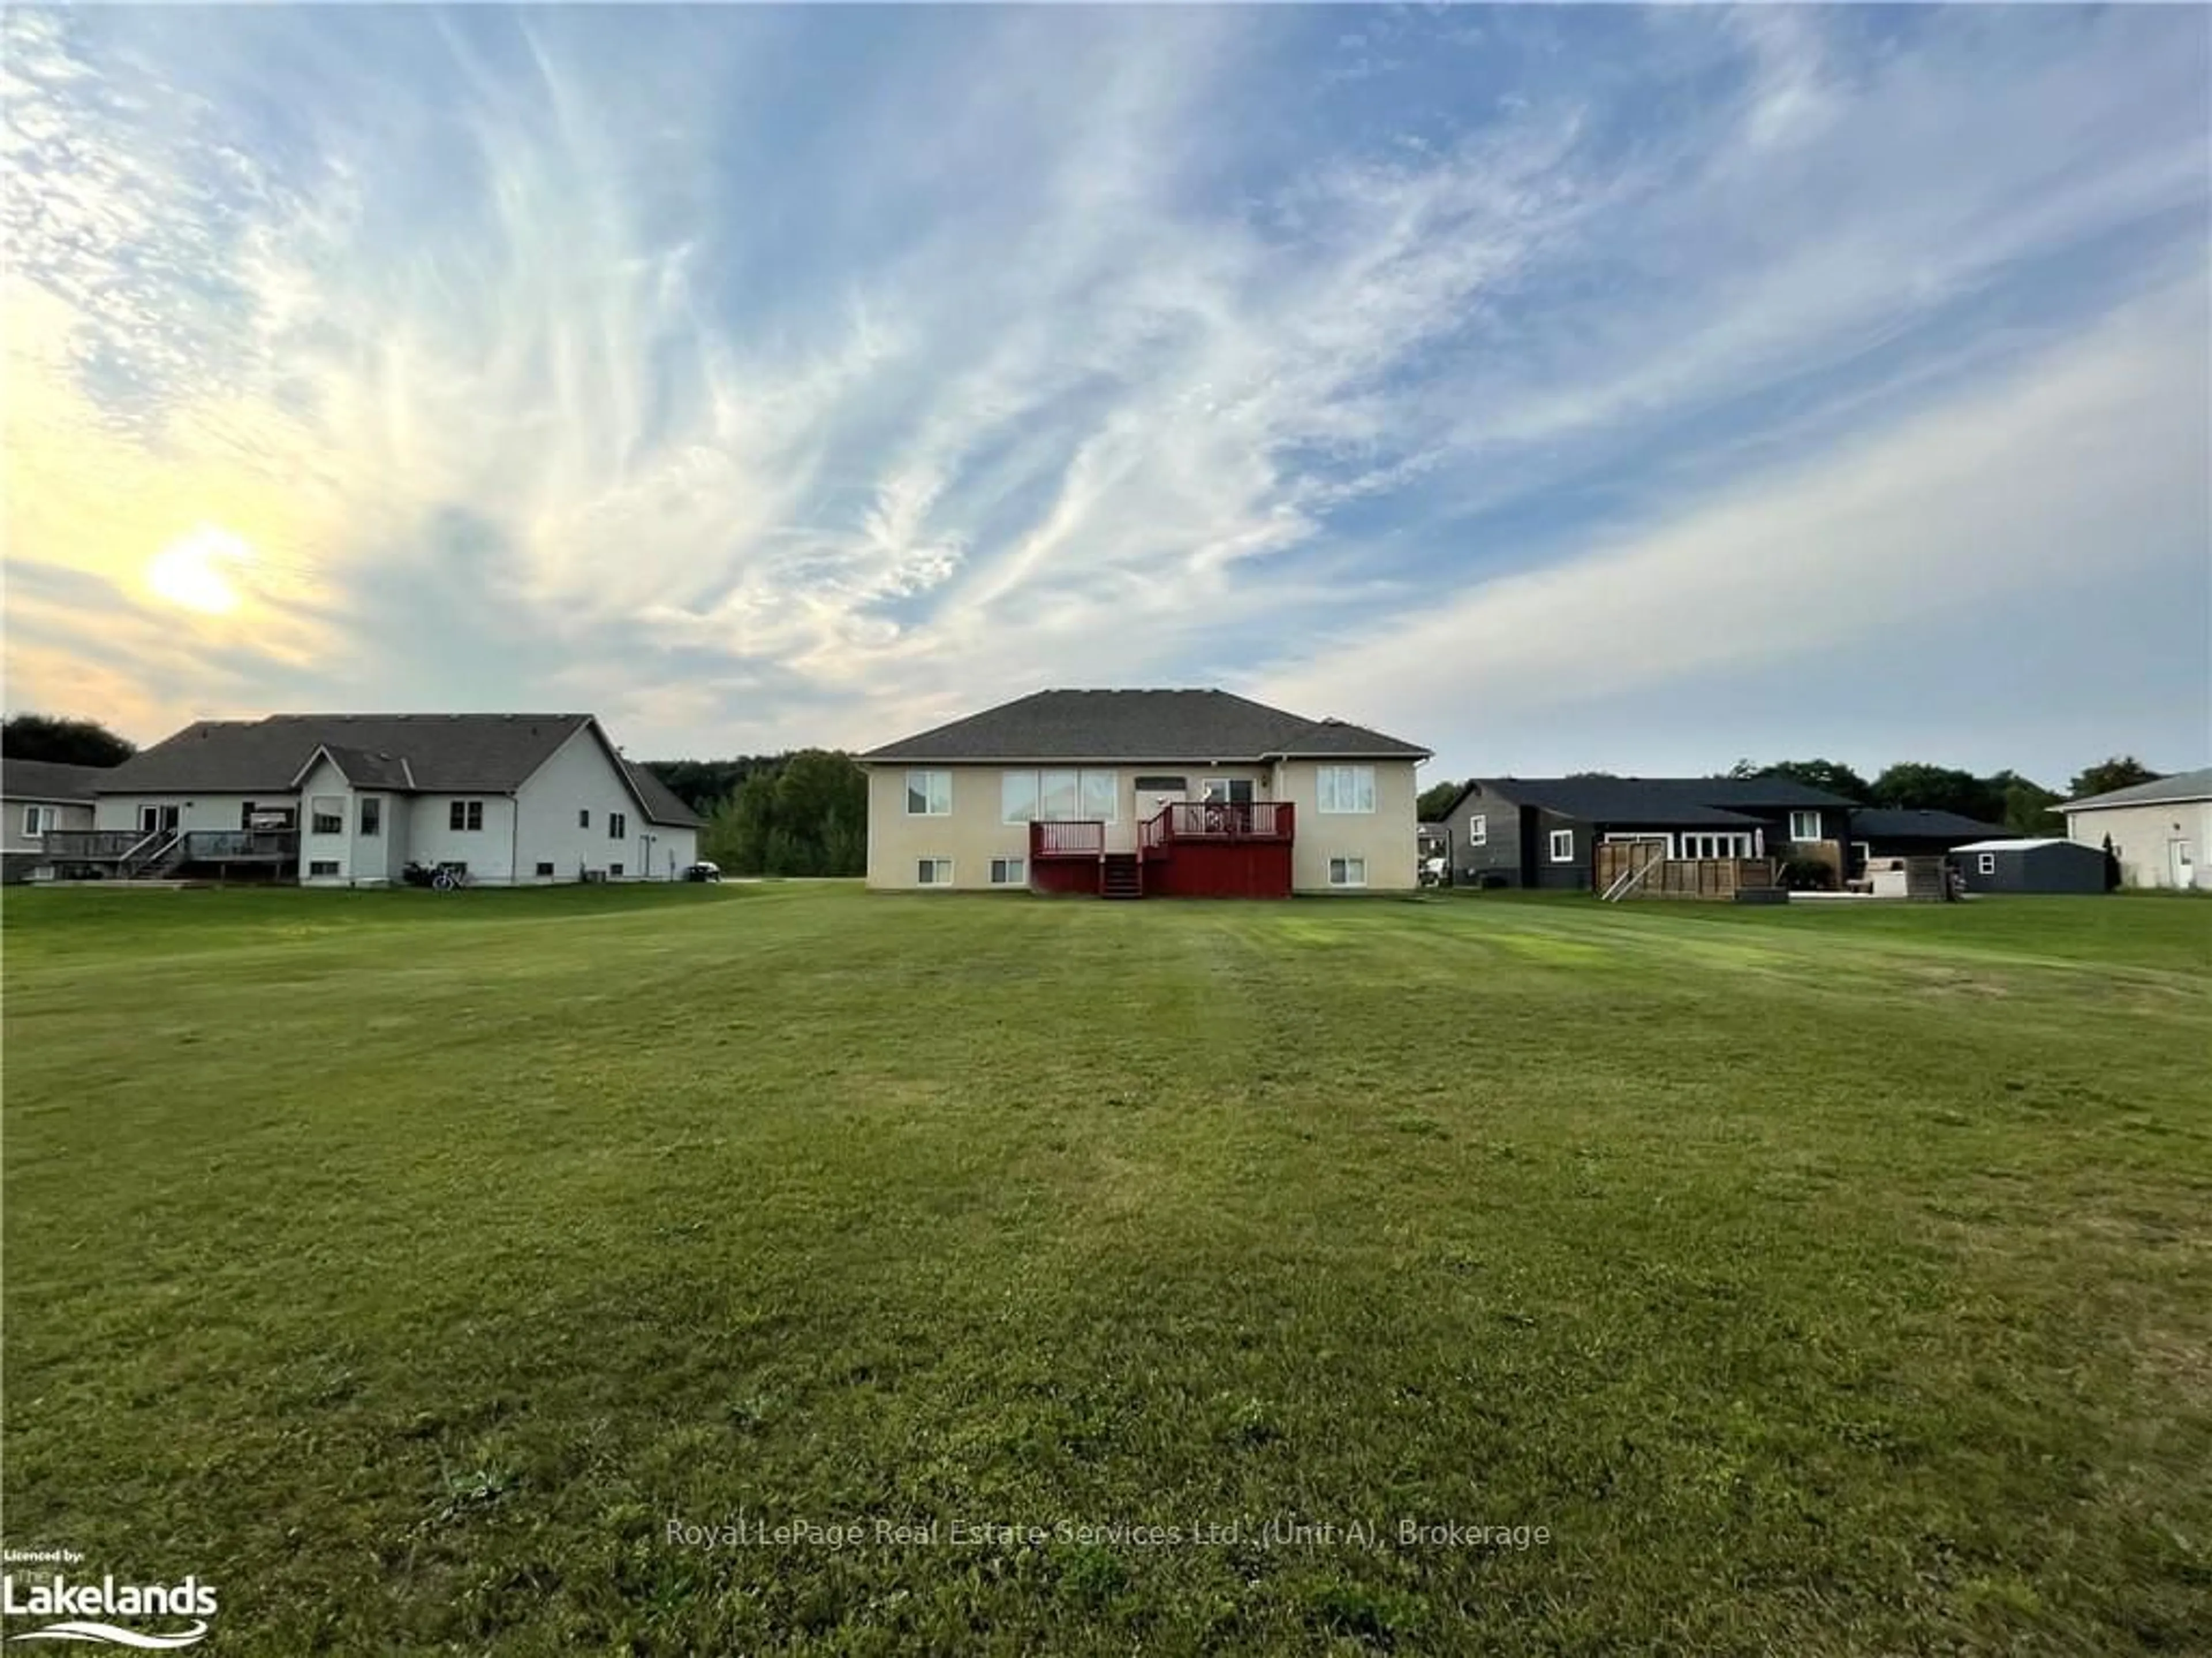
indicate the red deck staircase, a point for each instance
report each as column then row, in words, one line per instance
column 1121, row 876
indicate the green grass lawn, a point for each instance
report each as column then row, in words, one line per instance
column 1821, row 1281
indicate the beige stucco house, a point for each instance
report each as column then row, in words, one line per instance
column 1129, row 793
column 2160, row 831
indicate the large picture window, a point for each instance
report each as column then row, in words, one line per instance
column 1063, row 796
column 326, row 815
column 1347, row 788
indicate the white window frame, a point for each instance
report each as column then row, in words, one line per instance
column 1706, row 844
column 933, row 805
column 1340, row 872
column 1986, row 863
column 933, row 864
column 1009, row 872
column 1478, row 830
column 37, row 820
column 1799, row 833
column 1568, row 836
column 365, row 806
column 1333, row 784
column 1863, row 852
column 336, row 814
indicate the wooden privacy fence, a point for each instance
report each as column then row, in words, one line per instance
column 1641, row 869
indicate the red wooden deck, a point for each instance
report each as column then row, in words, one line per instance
column 1190, row 849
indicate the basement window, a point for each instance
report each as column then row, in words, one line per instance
column 323, row 866
column 1347, row 871
column 614, row 871
column 933, row 872
column 544, row 871
column 1008, row 872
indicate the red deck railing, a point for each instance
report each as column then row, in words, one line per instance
column 1068, row 840
column 1213, row 822
column 1222, row 820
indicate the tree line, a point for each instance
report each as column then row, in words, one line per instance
column 2019, row 803
column 801, row 813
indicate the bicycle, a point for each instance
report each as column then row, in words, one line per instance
column 449, row 880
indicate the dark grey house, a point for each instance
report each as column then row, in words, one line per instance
column 1543, row 832
column 2029, row 865
column 1898, row 832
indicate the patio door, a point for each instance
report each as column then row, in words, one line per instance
column 2181, row 863
column 159, row 819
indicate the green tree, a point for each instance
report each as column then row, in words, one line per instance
column 70, row 742
column 1436, row 800
column 1917, row 787
column 1832, row 776
column 2122, row 771
column 2027, row 804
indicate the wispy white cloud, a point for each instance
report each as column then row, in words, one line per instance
column 772, row 380
column 2083, row 470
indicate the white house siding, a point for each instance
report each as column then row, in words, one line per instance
column 196, row 811
column 324, row 781
column 68, row 815
column 581, row 778
column 2142, row 836
column 1385, row 837
column 381, row 857
column 488, row 852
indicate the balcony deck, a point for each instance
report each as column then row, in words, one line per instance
column 121, row 846
column 1189, row 848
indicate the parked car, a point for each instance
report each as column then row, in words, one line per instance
column 702, row 870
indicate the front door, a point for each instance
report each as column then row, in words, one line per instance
column 2181, row 864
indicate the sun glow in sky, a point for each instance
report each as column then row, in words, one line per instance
column 1630, row 389
column 190, row 570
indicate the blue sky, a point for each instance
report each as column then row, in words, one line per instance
column 1560, row 388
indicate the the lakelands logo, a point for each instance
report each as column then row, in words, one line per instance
column 81, row 1610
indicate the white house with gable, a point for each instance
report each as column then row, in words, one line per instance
column 2160, row 831
column 354, row 800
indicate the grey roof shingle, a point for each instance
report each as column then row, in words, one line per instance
column 2166, row 791
column 1904, row 824
column 1142, row 725
column 49, row 779
column 366, row 769
column 1663, row 802
column 661, row 804
column 432, row 753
